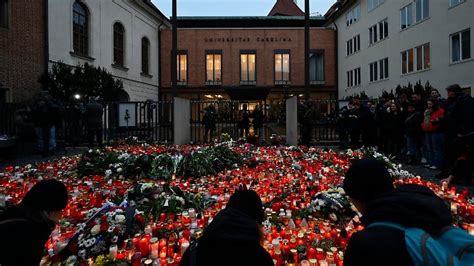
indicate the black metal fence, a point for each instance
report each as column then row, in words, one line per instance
column 153, row 120
column 146, row 120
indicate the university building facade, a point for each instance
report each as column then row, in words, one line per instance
column 248, row 59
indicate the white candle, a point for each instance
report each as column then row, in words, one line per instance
column 471, row 229
column 113, row 251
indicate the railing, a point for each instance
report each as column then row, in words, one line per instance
column 146, row 120
column 227, row 120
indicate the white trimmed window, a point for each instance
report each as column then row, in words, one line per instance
column 373, row 4
column 461, row 46
column 353, row 45
column 416, row 59
column 378, row 70
column 353, row 15
column 422, row 8
column 378, row 32
column 455, row 2
column 353, row 78
column 406, row 17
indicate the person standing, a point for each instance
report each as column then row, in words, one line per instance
column 257, row 121
column 43, row 119
column 209, row 121
column 93, row 118
column 434, row 136
column 25, row 228
column 413, row 133
column 393, row 130
column 244, row 121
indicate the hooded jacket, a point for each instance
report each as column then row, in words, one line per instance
column 232, row 238
column 407, row 205
column 23, row 235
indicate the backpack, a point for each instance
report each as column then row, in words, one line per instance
column 452, row 246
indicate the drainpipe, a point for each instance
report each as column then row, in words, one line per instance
column 336, row 47
column 46, row 36
column 159, row 61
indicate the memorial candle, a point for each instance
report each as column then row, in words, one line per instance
column 144, row 247
column 154, row 248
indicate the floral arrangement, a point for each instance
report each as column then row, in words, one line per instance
column 334, row 205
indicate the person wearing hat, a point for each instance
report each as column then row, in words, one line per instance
column 370, row 188
column 25, row 228
column 233, row 237
column 413, row 133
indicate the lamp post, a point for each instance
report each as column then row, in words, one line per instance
column 306, row 50
column 174, row 50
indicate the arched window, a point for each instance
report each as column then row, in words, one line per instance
column 145, row 55
column 119, row 34
column 80, row 29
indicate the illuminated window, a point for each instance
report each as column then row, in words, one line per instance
column 182, row 68
column 248, row 74
column 214, row 68
column 282, row 67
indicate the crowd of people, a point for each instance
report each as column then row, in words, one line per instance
column 46, row 115
column 432, row 131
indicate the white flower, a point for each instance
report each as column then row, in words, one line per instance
column 82, row 254
column 108, row 172
column 119, row 170
column 95, row 230
column 91, row 151
column 333, row 217
column 119, row 218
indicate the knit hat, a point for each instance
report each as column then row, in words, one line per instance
column 367, row 179
column 454, row 88
column 248, row 202
column 46, row 195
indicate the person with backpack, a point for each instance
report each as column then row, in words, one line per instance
column 233, row 237
column 25, row 228
column 407, row 225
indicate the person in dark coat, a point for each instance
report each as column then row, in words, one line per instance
column 43, row 116
column 93, row 118
column 25, row 228
column 369, row 187
column 463, row 167
column 392, row 125
column 233, row 237
column 353, row 125
column 413, row 133
column 367, row 124
column 244, row 121
column 258, row 118
column 209, row 121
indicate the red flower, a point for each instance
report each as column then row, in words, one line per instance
column 104, row 227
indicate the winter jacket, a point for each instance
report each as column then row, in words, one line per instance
column 23, row 236
column 407, row 205
column 432, row 121
column 392, row 124
column 93, row 115
column 413, row 124
column 232, row 238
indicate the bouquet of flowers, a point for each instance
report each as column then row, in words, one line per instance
column 333, row 205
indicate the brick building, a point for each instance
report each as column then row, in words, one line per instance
column 248, row 58
column 22, row 48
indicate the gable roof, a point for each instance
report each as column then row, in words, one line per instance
column 286, row 8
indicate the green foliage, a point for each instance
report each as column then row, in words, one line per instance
column 63, row 81
column 162, row 167
column 95, row 162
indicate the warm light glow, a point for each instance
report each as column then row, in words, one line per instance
column 77, row 96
